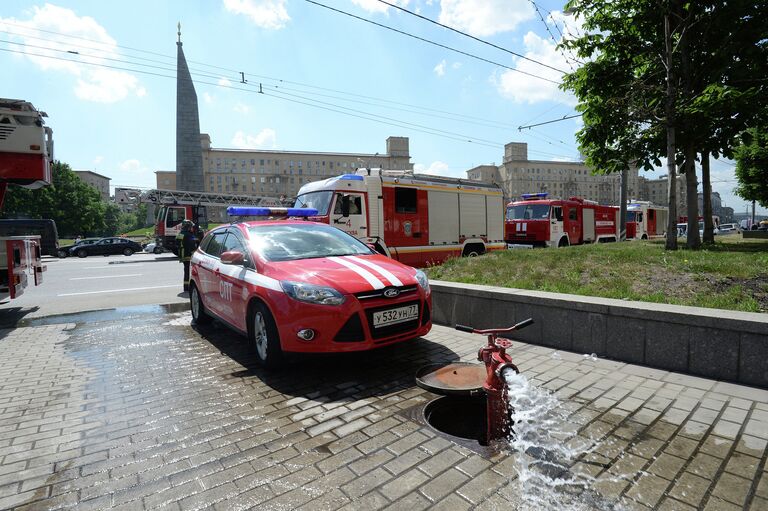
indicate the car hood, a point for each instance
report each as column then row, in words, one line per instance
column 348, row 274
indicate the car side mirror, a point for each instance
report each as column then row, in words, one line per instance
column 233, row 257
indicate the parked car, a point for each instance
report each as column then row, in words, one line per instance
column 64, row 251
column 728, row 228
column 300, row 286
column 152, row 248
column 107, row 246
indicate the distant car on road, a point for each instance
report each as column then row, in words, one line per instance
column 728, row 228
column 64, row 251
column 107, row 246
column 152, row 248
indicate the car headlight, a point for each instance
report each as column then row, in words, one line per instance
column 423, row 281
column 312, row 294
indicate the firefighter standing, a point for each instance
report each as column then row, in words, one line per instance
column 187, row 243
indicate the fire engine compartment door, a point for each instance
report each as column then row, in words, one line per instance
column 588, row 223
column 443, row 217
column 495, row 217
column 472, row 215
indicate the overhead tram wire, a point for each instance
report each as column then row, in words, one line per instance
column 429, row 41
column 564, row 118
column 557, row 27
column 365, row 116
column 551, row 35
column 472, row 37
column 248, row 73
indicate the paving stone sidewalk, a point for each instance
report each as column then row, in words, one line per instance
column 158, row 414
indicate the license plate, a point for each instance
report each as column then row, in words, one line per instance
column 394, row 316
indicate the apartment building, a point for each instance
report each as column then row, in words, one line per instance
column 99, row 182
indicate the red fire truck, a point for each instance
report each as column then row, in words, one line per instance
column 26, row 152
column 645, row 219
column 539, row 221
column 416, row 219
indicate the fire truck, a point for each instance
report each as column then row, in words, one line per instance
column 417, row 219
column 26, row 153
column 173, row 207
column 645, row 219
column 537, row 221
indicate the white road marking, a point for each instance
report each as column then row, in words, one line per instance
column 111, row 265
column 117, row 290
column 108, row 276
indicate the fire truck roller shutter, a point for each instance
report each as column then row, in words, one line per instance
column 588, row 223
column 472, row 215
column 495, row 213
column 443, row 217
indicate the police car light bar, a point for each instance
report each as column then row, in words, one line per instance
column 252, row 211
column 528, row 196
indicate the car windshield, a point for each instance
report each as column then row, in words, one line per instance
column 528, row 212
column 289, row 242
column 315, row 200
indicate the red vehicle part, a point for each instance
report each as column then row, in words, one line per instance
column 19, row 260
column 496, row 361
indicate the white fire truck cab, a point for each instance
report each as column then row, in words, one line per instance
column 26, row 153
column 539, row 221
column 645, row 220
column 417, row 219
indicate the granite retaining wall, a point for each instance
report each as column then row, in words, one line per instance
column 719, row 344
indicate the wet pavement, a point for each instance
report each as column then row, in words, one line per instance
column 140, row 410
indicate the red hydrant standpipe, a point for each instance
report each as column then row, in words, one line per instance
column 496, row 360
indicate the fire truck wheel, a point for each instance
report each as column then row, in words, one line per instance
column 127, row 252
column 82, row 253
column 563, row 242
column 263, row 335
column 644, row 237
column 199, row 316
column 473, row 250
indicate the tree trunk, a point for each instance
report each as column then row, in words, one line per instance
column 709, row 228
column 693, row 240
column 623, row 207
column 669, row 108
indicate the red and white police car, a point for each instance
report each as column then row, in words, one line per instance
column 292, row 285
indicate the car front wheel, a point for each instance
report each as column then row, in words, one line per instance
column 82, row 253
column 62, row 254
column 199, row 316
column 263, row 335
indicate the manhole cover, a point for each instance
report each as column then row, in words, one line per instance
column 458, row 379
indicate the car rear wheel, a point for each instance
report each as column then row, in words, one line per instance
column 199, row 316
column 62, row 254
column 128, row 251
column 158, row 250
column 82, row 253
column 263, row 335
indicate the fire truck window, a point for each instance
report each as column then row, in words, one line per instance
column 355, row 205
column 405, row 200
column 175, row 216
column 557, row 213
column 572, row 214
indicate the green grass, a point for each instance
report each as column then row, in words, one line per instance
column 732, row 274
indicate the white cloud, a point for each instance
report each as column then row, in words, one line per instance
column 527, row 89
column 485, row 17
column 436, row 168
column 265, row 139
column 98, row 160
column 93, row 83
column 207, row 98
column 242, row 108
column 440, row 68
column 377, row 7
column 456, row 65
column 224, row 82
column 269, row 14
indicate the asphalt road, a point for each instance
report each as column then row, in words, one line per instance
column 97, row 283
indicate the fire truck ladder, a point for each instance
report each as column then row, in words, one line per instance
column 167, row 197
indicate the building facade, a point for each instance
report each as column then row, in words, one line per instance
column 561, row 179
column 99, row 182
column 282, row 173
column 656, row 191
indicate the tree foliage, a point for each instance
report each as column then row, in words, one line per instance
column 720, row 59
column 752, row 166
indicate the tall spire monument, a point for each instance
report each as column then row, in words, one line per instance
column 189, row 156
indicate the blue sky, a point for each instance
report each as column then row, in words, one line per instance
column 312, row 63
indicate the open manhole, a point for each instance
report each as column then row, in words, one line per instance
column 462, row 418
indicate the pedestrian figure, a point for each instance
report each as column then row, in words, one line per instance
column 77, row 240
column 187, row 243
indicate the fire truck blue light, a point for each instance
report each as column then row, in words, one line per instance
column 251, row 211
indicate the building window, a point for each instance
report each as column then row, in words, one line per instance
column 263, row 180
column 253, row 162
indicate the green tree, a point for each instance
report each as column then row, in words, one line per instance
column 75, row 206
column 752, row 166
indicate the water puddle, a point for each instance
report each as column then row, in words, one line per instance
column 546, row 447
column 120, row 313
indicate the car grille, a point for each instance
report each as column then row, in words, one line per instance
column 397, row 328
column 379, row 293
column 352, row 331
